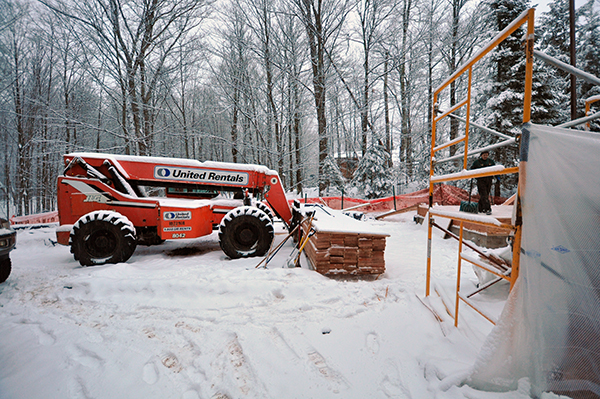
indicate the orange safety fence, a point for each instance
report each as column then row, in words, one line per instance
column 443, row 194
column 39, row 218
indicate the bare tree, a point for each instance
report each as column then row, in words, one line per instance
column 322, row 20
column 233, row 75
column 134, row 40
column 261, row 18
column 403, row 73
column 291, row 65
column 463, row 35
column 17, row 50
column 372, row 16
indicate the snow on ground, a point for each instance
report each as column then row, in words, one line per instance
column 180, row 320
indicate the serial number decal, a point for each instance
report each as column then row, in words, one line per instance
column 96, row 198
column 183, row 228
column 178, row 235
column 202, row 176
column 181, row 215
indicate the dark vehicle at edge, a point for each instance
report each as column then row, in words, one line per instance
column 8, row 239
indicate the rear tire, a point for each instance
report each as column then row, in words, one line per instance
column 101, row 237
column 5, row 268
column 244, row 232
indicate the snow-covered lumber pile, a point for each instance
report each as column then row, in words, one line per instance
column 341, row 245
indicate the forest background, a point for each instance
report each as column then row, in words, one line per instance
column 302, row 86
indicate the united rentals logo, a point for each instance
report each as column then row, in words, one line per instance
column 181, row 215
column 162, row 172
column 201, row 176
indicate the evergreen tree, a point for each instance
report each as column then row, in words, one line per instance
column 332, row 175
column 589, row 55
column 549, row 88
column 553, row 39
column 547, row 103
column 372, row 176
column 504, row 96
column 553, row 33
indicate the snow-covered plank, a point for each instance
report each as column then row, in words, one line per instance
column 470, row 217
column 466, row 174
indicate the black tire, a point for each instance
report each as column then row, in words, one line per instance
column 244, row 232
column 101, row 237
column 265, row 208
column 5, row 268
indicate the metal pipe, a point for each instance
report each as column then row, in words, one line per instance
column 460, row 244
column 573, row 59
column 475, row 152
column 529, row 67
column 465, row 164
column 588, row 77
column 580, row 121
column 484, row 128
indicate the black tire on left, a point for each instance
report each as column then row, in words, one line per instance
column 244, row 232
column 101, row 237
column 5, row 268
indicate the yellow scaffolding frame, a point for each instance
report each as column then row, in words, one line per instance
column 588, row 107
column 511, row 275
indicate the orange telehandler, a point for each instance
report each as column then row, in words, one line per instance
column 108, row 204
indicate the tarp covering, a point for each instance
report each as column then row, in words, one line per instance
column 549, row 331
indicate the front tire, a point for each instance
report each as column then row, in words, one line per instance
column 5, row 268
column 265, row 208
column 101, row 237
column 244, row 232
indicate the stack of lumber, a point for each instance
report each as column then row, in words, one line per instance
column 345, row 252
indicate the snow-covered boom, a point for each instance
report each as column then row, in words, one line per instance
column 107, row 204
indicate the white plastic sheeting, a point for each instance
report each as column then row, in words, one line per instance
column 549, row 331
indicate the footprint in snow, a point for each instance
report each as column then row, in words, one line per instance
column 171, row 362
column 86, row 357
column 44, row 336
column 373, row 343
column 150, row 373
column 191, row 394
column 77, row 388
column 391, row 383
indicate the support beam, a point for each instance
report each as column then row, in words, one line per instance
column 480, row 150
column 573, row 59
column 580, row 121
column 588, row 77
column 485, row 129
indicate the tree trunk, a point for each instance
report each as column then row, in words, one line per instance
column 456, row 6
column 364, row 110
column 404, row 90
column 234, row 126
column 386, row 105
